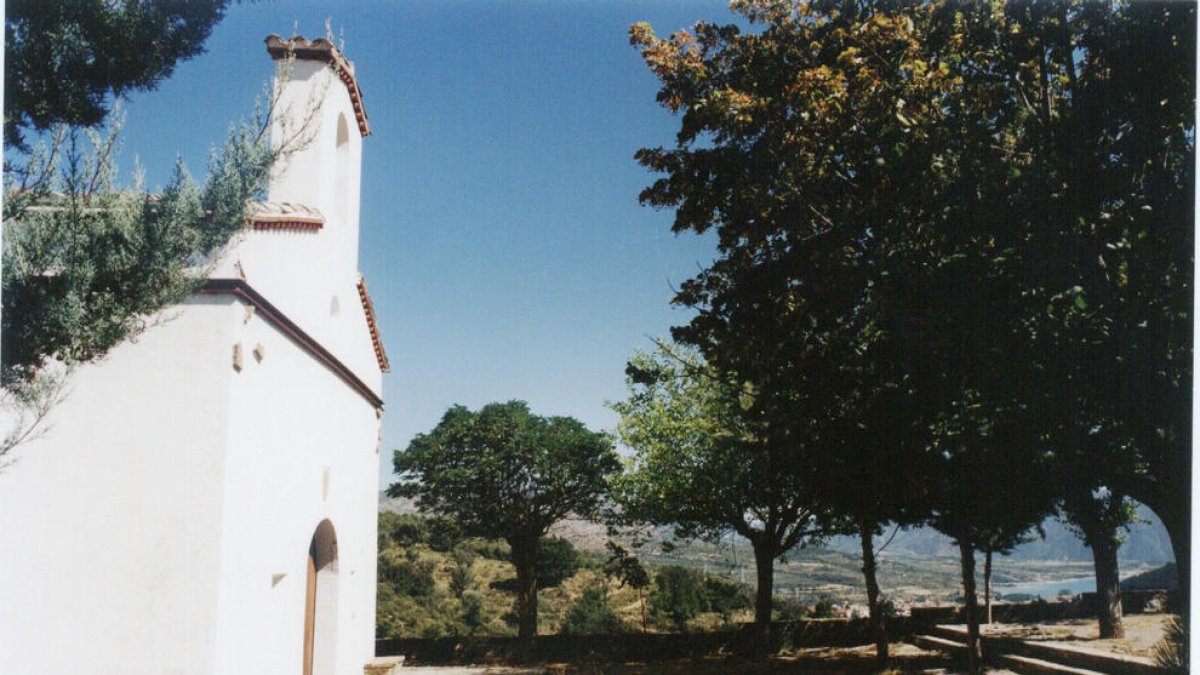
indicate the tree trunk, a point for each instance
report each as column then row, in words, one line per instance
column 524, row 556
column 1108, row 587
column 878, row 621
column 970, row 606
column 764, row 565
column 1094, row 518
column 642, row 600
column 987, row 584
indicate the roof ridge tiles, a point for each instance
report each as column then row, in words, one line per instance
column 322, row 49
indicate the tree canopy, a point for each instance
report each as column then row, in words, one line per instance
column 504, row 472
column 86, row 264
column 705, row 462
column 64, row 61
column 985, row 209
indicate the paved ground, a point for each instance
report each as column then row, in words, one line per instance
column 1142, row 633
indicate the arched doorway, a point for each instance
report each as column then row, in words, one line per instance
column 320, row 602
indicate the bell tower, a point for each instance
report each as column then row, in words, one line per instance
column 301, row 248
column 320, row 121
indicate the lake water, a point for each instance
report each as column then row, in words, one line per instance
column 1049, row 589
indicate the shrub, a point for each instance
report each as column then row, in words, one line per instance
column 406, row 616
column 472, row 610
column 557, row 561
column 888, row 607
column 409, row 529
column 678, row 594
column 404, row 574
column 1171, row 653
column 402, row 530
column 726, row 596
column 444, row 534
column 497, row 550
column 823, row 609
column 592, row 615
column 790, row 609
column 461, row 577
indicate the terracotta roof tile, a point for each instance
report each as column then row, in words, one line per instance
column 369, row 310
column 323, row 50
column 284, row 216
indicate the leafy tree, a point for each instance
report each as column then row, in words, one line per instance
column 875, row 467
column 64, row 61
column 699, row 464
column 84, row 271
column 1001, row 542
column 591, row 614
column 678, row 594
column 410, row 529
column 726, row 596
column 1101, row 518
column 986, row 492
column 980, row 184
column 503, row 472
column 557, row 561
column 629, row 571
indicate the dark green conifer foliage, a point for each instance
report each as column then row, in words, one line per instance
column 65, row 60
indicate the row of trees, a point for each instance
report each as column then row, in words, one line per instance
column 954, row 272
column 953, row 283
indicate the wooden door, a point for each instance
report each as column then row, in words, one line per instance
column 310, row 613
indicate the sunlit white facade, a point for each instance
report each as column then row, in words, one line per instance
column 204, row 499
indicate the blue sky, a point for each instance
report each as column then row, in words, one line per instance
column 502, row 239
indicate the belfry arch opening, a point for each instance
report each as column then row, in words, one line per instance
column 320, row 602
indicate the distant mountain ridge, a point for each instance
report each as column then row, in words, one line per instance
column 1147, row 542
column 1161, row 577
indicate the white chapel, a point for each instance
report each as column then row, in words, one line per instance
column 204, row 499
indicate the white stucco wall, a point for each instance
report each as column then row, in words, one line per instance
column 301, row 272
column 112, row 519
column 302, row 450
column 162, row 523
